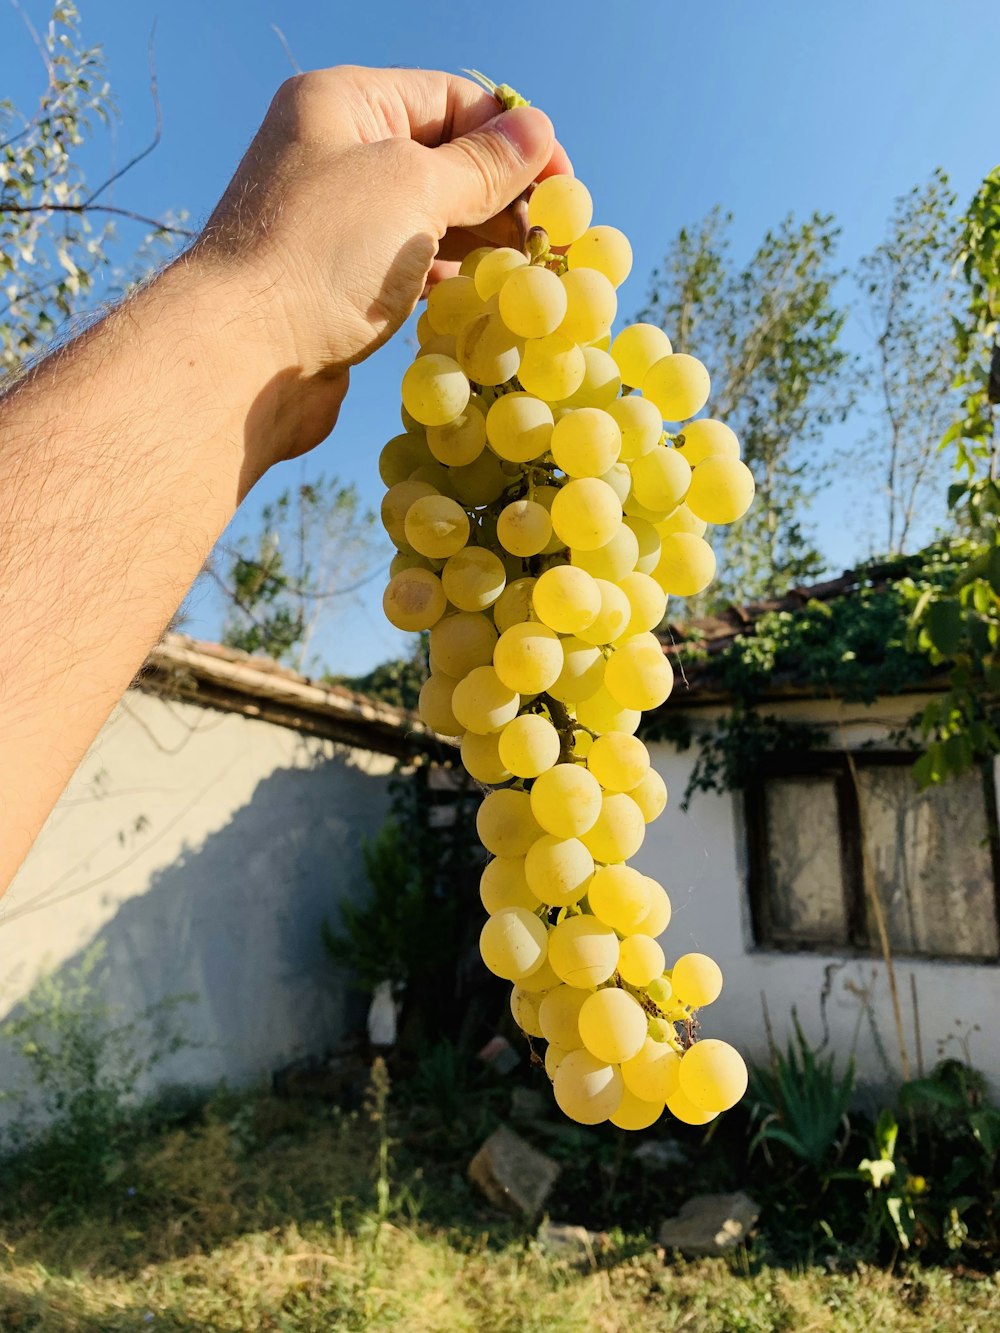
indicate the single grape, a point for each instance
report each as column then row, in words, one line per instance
column 528, row 657
column 620, row 897
column 483, row 703
column 529, row 745
column 583, row 951
column 612, row 1025
column 640, row 960
column 678, row 384
column 650, row 795
column 587, row 1090
column 713, row 1076
column 563, row 206
column 566, row 800
column 502, row 884
column 513, row 943
column 591, row 305
column 687, row 564
column 435, row 390
column 721, row 491
column 636, row 349
column 519, row 427
column 532, row 302
column 481, row 758
column 559, row 1016
column 566, row 599
column 660, row 479
column 505, row 824
column 638, row 673
column 472, row 579
column 618, row 762
column 559, row 870
column 460, row 642
column 494, row 268
column 706, row 438
column 586, row 442
column 586, row 513
column 414, row 600
column 696, row 979
column 603, row 248
column 434, row 704
column 552, row 367
column 436, row 526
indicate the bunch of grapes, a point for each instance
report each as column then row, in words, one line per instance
column 542, row 514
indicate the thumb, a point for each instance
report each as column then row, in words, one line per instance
column 480, row 173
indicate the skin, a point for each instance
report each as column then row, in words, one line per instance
column 124, row 454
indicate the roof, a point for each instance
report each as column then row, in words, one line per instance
column 214, row 676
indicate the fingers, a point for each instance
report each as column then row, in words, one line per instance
column 475, row 176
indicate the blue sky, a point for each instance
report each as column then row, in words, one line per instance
column 666, row 108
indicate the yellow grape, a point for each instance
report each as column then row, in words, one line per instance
column 435, row 390
column 472, row 579
column 659, row 989
column 532, row 302
column 687, row 564
column 582, row 671
column 524, row 528
column 566, row 599
column 647, row 542
column 487, row 351
column 441, row 344
column 640, row 424
column 436, row 476
column 697, row 980
column 483, row 703
column 636, row 349
column 618, row 762
column 580, row 743
column 617, row 833
column 653, row 1073
column 634, row 1113
column 434, row 704
column 586, row 1090
column 414, row 600
column 583, row 951
column 713, row 1075
column 514, row 604
column 640, row 960
column 706, row 438
column 436, row 526
column 619, row 478
column 425, row 330
column 505, row 824
column 678, row 384
column 403, row 560
column 563, row 206
column 586, row 513
column 542, row 979
column 494, row 268
column 604, row 248
column 396, row 502
column 600, row 712
column 658, row 917
column 481, row 758
column 566, row 800
column 529, row 745
column 559, row 1016
column 620, row 897
column 452, row 303
column 502, row 884
column 684, row 1110
column 545, row 495
column 524, row 1010
column 660, row 479
column 401, row 456
column 591, row 305
column 722, row 490
column 634, row 509
column 460, row 642
column 554, row 1056
column 528, row 657
column 461, row 441
column 559, row 870
column 600, row 384
column 585, row 442
column 612, row 1025
column 473, row 259
column 681, row 520
column 650, row 795
column 638, row 673
column 519, row 427
column 614, row 560
column 647, row 600
column 552, row 367
column 612, row 618
column 480, row 482
column 513, row 943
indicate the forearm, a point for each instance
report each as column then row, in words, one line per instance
column 122, row 458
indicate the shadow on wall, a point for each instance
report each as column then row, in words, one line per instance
column 236, row 922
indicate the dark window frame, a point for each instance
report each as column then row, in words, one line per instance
column 861, row 934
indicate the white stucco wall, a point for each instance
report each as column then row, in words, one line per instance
column 700, row 857
column 202, row 849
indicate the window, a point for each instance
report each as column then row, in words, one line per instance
column 932, row 857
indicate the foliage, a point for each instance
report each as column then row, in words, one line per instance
column 911, row 296
column 314, row 548
column 958, row 626
column 770, row 331
column 56, row 231
column 396, row 682
column 86, row 1073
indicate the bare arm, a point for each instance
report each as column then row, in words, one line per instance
column 124, row 455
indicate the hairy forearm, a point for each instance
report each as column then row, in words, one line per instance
column 122, row 457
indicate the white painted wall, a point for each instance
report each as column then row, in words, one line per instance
column 202, row 849
column 700, row 857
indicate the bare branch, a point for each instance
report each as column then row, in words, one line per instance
column 154, row 142
column 84, row 208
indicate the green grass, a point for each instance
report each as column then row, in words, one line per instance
column 260, row 1214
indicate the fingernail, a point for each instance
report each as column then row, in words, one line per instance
column 527, row 129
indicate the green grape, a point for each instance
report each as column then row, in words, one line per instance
column 435, row 475
column 524, row 1010
column 687, row 564
column 452, row 303
column 603, row 248
column 472, row 579
column 636, row 349
column 591, row 305
column 660, row 479
column 601, row 382
column 653, row 1073
column 582, row 671
column 634, row 1113
column 552, row 367
column 585, row 443
column 460, row 441
column 619, row 897
column 434, row 704
column 483, row 703
column 681, row 520
column 494, row 268
column 648, row 542
column 436, row 526
column 524, row 528
column 658, row 918
column 722, row 490
column 611, row 619
column 559, row 870
column 587, row 1090
column 563, row 206
column 706, row 438
column 502, row 884
column 396, row 502
column 481, row 481
column 461, row 642
column 638, row 673
column 612, row 561
column 414, row 600
column 697, row 980
column 513, row 943
column 435, row 390
column 505, row 824
column 640, row 424
column 519, row 427
column 559, row 1016
column 678, row 384
column 583, row 952
column 600, row 713
column 481, row 758
column 612, row 1025
column 566, row 801
column 487, row 351
column 618, row 762
column 529, row 745
column 713, row 1076
column 640, row 960
column 650, row 795
column 514, row 604
column 658, row 988
column 532, row 302
column 586, row 513
column 566, row 599
column 528, row 657
column 401, row 456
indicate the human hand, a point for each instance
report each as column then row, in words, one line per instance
column 361, row 189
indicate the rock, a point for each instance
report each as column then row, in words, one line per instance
column 710, row 1224
column 499, row 1055
column 527, row 1105
column 660, row 1154
column 512, row 1174
column 576, row 1245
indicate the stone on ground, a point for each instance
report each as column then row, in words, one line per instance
column 710, row 1224
column 512, row 1174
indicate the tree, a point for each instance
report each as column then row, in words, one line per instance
column 56, row 231
column 771, row 334
column 911, row 294
column 315, row 547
